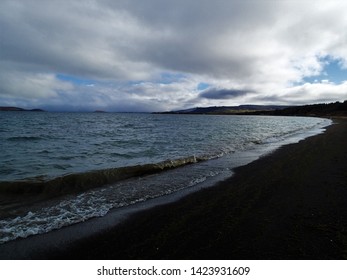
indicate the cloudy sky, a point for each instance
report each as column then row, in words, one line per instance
column 156, row 55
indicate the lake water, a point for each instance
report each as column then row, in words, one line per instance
column 57, row 169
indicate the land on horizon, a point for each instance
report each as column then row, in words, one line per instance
column 322, row 109
column 18, row 109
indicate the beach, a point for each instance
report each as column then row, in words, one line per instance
column 290, row 204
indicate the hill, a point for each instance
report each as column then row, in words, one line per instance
column 224, row 110
column 323, row 109
column 17, row 109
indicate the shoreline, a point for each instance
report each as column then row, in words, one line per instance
column 229, row 221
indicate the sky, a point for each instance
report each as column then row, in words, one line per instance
column 155, row 55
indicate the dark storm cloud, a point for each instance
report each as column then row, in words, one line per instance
column 223, row 93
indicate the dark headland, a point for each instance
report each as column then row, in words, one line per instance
column 17, row 109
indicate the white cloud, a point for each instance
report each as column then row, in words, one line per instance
column 316, row 92
column 268, row 47
column 32, row 86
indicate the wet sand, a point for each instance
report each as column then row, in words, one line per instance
column 291, row 204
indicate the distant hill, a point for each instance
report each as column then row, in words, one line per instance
column 17, row 109
column 323, row 109
column 225, row 110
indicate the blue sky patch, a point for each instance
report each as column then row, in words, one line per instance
column 203, row 86
column 332, row 72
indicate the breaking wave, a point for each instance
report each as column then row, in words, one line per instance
column 73, row 183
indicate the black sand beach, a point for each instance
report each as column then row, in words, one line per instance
column 291, row 204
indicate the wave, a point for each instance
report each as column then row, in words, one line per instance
column 74, row 183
